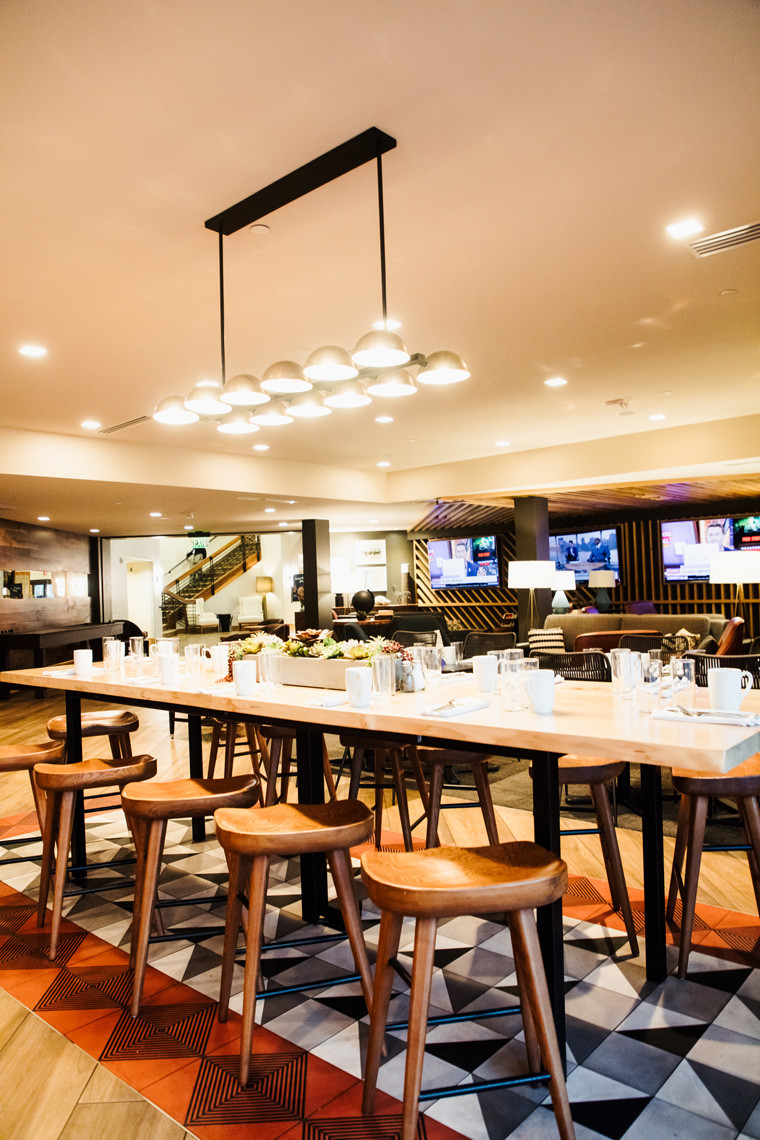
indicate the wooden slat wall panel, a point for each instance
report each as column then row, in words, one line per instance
column 25, row 547
column 472, row 609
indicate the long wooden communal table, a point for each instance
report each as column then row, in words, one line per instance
column 586, row 720
column 37, row 641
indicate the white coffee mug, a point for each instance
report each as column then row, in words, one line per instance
column 359, row 687
column 727, row 688
column 244, row 676
column 539, row 685
column 83, row 664
column 484, row 670
column 168, row 668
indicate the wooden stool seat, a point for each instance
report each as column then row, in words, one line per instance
column 250, row 838
column 444, row 882
column 60, row 783
column 148, row 808
column 695, row 788
column 588, row 770
column 437, row 761
column 111, row 722
column 19, row 757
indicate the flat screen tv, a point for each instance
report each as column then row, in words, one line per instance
column 461, row 563
column 689, row 544
column 585, row 551
column 747, row 533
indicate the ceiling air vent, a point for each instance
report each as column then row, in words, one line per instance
column 717, row 243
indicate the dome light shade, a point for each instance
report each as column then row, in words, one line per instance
column 206, row 401
column 173, row 411
column 443, row 368
column 380, row 349
column 397, row 382
column 350, row 395
column 238, row 422
column 273, row 415
column 309, row 406
column 243, row 391
column 285, row 377
column 330, row 364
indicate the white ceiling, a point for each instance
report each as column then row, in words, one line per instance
column 542, row 149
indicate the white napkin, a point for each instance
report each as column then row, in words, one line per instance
column 740, row 720
column 328, row 702
column 58, row 673
column 458, row 706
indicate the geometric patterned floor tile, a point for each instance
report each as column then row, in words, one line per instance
column 275, row 1091
column 610, row 1118
column 31, row 951
column 161, row 1032
column 83, row 987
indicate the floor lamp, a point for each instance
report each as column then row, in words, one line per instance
column 735, row 567
column 264, row 587
column 532, row 576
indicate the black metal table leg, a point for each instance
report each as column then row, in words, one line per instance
column 549, row 918
column 654, row 872
column 311, row 790
column 74, row 756
column 195, row 744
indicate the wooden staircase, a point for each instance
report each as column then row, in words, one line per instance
column 206, row 578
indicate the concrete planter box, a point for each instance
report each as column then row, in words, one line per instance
column 315, row 672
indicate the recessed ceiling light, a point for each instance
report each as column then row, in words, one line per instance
column 90, row 425
column 43, row 518
column 188, row 526
column 685, row 228
column 291, row 502
column 502, row 443
column 383, row 463
column 32, row 350
column 155, row 514
column 555, row 382
column 283, row 524
column 261, row 447
column 94, row 530
column 657, row 416
column 269, row 510
column 383, row 419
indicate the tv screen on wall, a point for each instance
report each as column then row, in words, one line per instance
column 585, row 551
column 461, row 563
column 689, row 544
column 747, row 533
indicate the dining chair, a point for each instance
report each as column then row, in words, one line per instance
column 478, row 644
column 640, row 642
column 408, row 637
column 591, row 666
column 704, row 662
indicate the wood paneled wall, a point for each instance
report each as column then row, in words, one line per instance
column 24, row 547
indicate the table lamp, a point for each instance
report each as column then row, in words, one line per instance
column 735, row 567
column 563, row 580
column 531, row 575
column 264, row 587
column 601, row 580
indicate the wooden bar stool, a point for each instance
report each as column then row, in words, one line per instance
column 741, row 784
column 250, row 839
column 597, row 775
column 276, row 747
column 228, row 725
column 385, row 752
column 60, row 783
column 437, row 760
column 445, row 882
column 22, row 758
column 116, row 724
column 148, row 808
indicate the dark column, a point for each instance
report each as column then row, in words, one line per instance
column 531, row 544
column 317, row 593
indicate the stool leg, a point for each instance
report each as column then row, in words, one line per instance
column 139, row 829
column 419, row 777
column 750, row 813
column 257, row 893
column 526, row 946
column 148, row 887
column 403, row 804
column 613, row 862
column 229, row 747
column 216, row 736
column 435, row 791
column 422, row 977
column 253, row 750
column 340, row 868
column 694, row 844
column 39, row 801
column 126, row 745
column 380, row 758
column 231, row 927
column 332, row 791
column 52, row 814
column 390, row 934
column 272, row 768
column 285, row 759
column 529, row 1025
column 480, row 776
column 676, row 874
column 61, row 867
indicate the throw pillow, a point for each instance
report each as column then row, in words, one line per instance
column 693, row 638
column 546, row 640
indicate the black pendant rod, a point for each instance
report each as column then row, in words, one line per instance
column 381, row 216
column 221, row 305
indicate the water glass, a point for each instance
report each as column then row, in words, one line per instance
column 650, row 686
column 194, row 665
column 527, row 666
column 509, row 685
column 452, row 656
column 114, row 659
column 270, row 669
column 431, row 666
column 383, row 677
column 500, row 656
column 683, row 682
column 136, row 646
column 616, row 656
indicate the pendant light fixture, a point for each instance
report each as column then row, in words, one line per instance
column 238, row 422
column 244, row 391
column 397, row 382
column 330, row 364
column 284, row 378
column 352, row 394
column 172, row 410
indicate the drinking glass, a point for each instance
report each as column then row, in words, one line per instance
column 136, row 646
column 194, row 664
column 683, row 682
column 527, row 665
column 650, row 686
column 383, row 677
column 114, row 659
column 616, row 656
column 431, row 665
column 270, row 669
column 500, row 655
column 452, row 656
column 630, row 675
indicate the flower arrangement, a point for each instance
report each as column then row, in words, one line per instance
column 323, row 646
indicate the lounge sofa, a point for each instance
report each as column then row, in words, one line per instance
column 708, row 626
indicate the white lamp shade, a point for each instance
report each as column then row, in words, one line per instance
column 601, row 579
column 736, row 566
column 397, row 382
column 530, row 575
column 309, row 405
column 564, row 580
column 329, row 364
column 242, row 391
column 285, row 377
column 380, row 349
column 173, row 411
column 207, row 401
column 352, row 394
column 238, row 422
column 443, row 367
column 273, row 415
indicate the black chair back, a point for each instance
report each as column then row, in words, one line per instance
column 423, row 621
column 408, row 637
column 476, row 644
column 591, row 666
column 707, row 661
column 640, row 642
